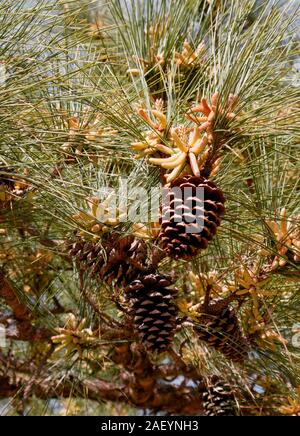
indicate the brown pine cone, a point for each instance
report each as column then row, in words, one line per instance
column 118, row 260
column 218, row 398
column 153, row 311
column 176, row 217
column 218, row 326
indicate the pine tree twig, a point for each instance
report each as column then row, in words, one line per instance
column 141, row 377
column 171, row 371
column 28, row 333
column 169, row 398
column 40, row 369
column 20, row 311
column 97, row 390
column 118, row 305
column 115, row 334
column 188, row 371
column 23, row 317
column 103, row 317
column 50, row 243
column 157, row 256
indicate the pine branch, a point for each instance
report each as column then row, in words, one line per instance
column 169, row 398
column 20, row 311
column 24, row 330
column 75, row 105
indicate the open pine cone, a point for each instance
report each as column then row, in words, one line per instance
column 176, row 217
column 120, row 260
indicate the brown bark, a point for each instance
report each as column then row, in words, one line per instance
column 20, row 311
column 23, row 330
column 169, row 398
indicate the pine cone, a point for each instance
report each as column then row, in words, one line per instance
column 153, row 311
column 119, row 260
column 218, row 326
column 173, row 237
column 218, row 399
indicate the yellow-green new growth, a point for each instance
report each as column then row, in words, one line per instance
column 74, row 337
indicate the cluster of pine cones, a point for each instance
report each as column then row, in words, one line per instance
column 124, row 263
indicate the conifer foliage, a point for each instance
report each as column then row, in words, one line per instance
column 149, row 207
